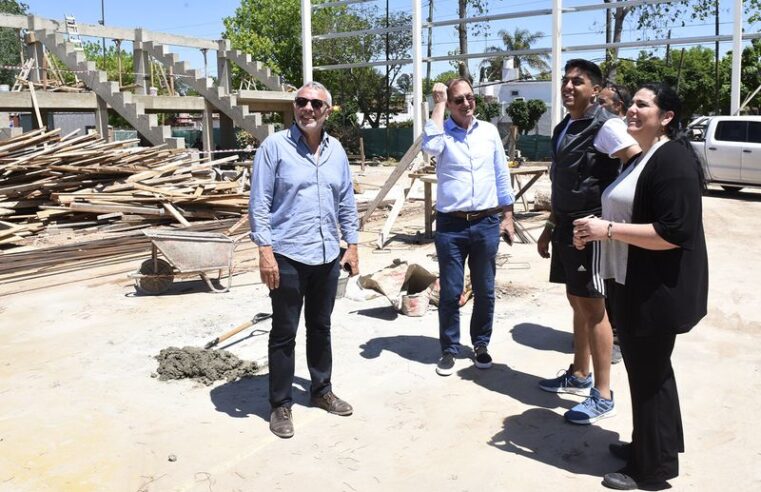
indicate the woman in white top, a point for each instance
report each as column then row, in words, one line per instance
column 655, row 262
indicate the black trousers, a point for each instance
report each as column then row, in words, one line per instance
column 657, row 435
column 314, row 288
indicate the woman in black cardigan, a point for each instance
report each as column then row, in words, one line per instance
column 654, row 257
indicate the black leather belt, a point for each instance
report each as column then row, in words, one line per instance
column 475, row 215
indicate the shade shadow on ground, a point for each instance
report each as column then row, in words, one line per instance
column 417, row 348
column 543, row 338
column 250, row 396
column 517, row 385
column 386, row 313
column 542, row 435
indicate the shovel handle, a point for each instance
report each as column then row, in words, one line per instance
column 257, row 318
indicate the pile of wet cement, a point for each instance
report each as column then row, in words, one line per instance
column 205, row 366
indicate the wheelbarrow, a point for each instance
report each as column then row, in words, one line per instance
column 186, row 253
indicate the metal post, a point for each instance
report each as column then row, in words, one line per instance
column 417, row 71
column 734, row 105
column 103, row 23
column 557, row 6
column 306, row 40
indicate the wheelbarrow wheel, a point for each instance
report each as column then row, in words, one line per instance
column 154, row 285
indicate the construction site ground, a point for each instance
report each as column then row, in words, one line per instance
column 80, row 409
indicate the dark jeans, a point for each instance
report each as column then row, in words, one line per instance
column 458, row 240
column 314, row 287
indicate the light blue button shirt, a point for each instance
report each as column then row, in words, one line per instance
column 297, row 204
column 471, row 167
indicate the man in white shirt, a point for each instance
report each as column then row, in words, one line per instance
column 473, row 189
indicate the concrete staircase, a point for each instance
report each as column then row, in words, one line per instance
column 256, row 69
column 97, row 80
column 216, row 96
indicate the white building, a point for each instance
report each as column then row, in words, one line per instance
column 513, row 89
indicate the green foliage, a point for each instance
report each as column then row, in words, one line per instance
column 525, row 115
column 487, row 110
column 695, row 83
column 10, row 43
column 269, row 30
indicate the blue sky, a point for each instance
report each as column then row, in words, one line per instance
column 203, row 19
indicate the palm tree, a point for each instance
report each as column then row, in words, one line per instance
column 520, row 39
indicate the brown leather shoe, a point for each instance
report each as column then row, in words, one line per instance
column 332, row 404
column 281, row 422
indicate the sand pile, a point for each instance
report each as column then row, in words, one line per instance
column 205, row 366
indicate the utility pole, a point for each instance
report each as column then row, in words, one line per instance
column 103, row 23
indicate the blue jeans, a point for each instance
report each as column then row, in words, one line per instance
column 477, row 241
column 314, row 287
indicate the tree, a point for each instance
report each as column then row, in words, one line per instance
column 404, row 83
column 10, row 42
column 266, row 29
column 520, row 39
column 525, row 116
column 655, row 18
column 476, row 7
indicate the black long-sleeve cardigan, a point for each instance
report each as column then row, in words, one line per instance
column 668, row 290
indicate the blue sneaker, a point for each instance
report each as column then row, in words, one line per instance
column 592, row 409
column 568, row 383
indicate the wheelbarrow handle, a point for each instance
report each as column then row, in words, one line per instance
column 256, row 319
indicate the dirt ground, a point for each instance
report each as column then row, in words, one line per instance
column 81, row 407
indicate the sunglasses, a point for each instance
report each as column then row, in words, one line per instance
column 460, row 99
column 317, row 104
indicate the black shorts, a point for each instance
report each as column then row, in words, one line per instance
column 574, row 267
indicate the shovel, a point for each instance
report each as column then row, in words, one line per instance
column 257, row 318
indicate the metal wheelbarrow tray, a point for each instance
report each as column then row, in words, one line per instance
column 186, row 253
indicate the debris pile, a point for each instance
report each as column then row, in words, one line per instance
column 79, row 196
column 205, row 366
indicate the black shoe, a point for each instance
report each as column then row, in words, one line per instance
column 621, row 451
column 281, row 422
column 619, row 481
column 332, row 404
column 483, row 359
column 445, row 366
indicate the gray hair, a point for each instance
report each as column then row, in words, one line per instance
column 318, row 86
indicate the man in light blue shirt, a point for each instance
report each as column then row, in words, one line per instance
column 473, row 189
column 301, row 195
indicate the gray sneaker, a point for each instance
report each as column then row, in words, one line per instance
column 566, row 382
column 281, row 422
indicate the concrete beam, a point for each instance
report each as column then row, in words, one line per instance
column 98, row 31
column 257, row 101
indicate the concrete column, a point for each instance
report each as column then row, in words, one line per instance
column 101, row 117
column 141, row 63
column 287, row 119
column 34, row 47
column 306, row 40
column 417, row 71
column 226, row 132
column 224, row 74
column 207, row 128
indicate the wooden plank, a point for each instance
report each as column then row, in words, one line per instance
column 35, row 105
column 397, row 173
column 175, row 213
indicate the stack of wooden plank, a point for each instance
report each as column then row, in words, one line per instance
column 52, row 184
